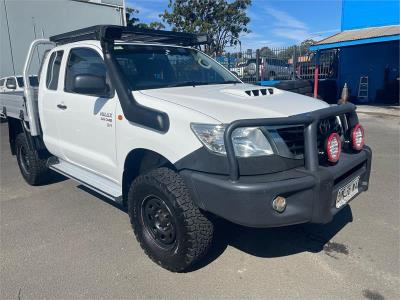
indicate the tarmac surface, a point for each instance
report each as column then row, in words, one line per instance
column 63, row 241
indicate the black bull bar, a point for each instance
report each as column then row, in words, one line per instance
column 310, row 120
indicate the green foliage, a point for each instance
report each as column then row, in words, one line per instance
column 222, row 20
column 152, row 25
column 267, row 52
column 132, row 20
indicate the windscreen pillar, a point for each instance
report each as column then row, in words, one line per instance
column 316, row 73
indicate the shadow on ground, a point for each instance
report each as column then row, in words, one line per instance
column 55, row 177
column 278, row 242
column 270, row 242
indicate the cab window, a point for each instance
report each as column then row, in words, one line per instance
column 11, row 80
column 53, row 70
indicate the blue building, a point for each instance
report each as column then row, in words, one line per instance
column 368, row 46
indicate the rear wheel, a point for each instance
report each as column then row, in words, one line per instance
column 33, row 169
column 168, row 225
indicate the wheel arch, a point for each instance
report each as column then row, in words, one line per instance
column 140, row 161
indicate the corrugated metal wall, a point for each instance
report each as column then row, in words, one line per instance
column 380, row 62
column 24, row 20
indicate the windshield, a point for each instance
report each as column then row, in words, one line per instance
column 151, row 66
column 33, row 80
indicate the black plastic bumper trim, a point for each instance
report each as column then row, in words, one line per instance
column 310, row 195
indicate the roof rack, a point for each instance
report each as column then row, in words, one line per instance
column 129, row 34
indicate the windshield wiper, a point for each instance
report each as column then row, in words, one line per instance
column 187, row 83
column 194, row 83
column 226, row 82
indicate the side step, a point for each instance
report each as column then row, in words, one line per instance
column 93, row 181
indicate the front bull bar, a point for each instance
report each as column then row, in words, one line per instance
column 310, row 120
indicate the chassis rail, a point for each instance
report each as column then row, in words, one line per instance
column 309, row 120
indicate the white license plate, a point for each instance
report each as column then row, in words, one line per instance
column 347, row 192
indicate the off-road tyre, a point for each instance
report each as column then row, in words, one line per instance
column 33, row 169
column 193, row 231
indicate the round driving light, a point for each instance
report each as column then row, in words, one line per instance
column 333, row 147
column 357, row 137
column 279, row 204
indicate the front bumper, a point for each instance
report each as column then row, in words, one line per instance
column 310, row 194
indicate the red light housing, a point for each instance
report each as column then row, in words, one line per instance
column 333, row 147
column 357, row 137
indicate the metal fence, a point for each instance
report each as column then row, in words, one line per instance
column 287, row 63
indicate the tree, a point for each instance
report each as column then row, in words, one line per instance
column 267, row 52
column 305, row 45
column 152, row 25
column 130, row 16
column 132, row 20
column 223, row 21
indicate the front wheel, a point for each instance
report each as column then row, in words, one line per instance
column 168, row 225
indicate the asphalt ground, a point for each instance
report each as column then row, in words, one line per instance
column 60, row 241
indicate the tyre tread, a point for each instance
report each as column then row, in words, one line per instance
column 38, row 170
column 198, row 228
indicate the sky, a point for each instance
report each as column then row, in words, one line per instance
column 274, row 23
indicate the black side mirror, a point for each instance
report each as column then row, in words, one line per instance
column 90, row 84
column 11, row 86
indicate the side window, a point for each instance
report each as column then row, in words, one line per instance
column 11, row 80
column 53, row 70
column 84, row 61
column 1, row 82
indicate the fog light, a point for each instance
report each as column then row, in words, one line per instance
column 279, row 204
column 333, row 147
column 357, row 137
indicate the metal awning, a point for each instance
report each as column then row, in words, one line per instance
column 358, row 37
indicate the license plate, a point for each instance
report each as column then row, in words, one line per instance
column 347, row 192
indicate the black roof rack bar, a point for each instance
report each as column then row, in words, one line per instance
column 129, row 34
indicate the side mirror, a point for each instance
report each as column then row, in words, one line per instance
column 11, row 86
column 90, row 84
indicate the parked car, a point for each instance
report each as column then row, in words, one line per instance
column 16, row 83
column 246, row 68
column 144, row 119
column 277, row 69
column 269, row 68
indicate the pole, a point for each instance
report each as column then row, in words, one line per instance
column 124, row 21
column 257, row 65
column 316, row 71
column 294, row 63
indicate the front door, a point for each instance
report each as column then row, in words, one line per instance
column 87, row 121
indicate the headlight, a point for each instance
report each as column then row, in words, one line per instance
column 248, row 141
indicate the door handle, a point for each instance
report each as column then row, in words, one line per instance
column 61, row 106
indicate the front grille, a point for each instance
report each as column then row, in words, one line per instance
column 293, row 136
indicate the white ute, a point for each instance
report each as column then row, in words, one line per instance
column 147, row 120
